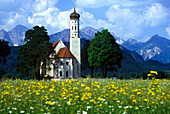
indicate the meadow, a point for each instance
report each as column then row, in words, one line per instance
column 85, row 96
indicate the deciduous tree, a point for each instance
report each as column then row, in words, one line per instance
column 104, row 52
column 36, row 50
column 5, row 50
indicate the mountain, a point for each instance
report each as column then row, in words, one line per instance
column 86, row 32
column 15, row 37
column 132, row 44
column 156, row 48
column 5, row 36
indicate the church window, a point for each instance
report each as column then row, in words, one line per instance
column 66, row 73
column 67, row 63
column 75, row 27
column 60, row 73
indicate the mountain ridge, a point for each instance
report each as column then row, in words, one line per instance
column 156, row 48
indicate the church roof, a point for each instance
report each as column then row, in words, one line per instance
column 74, row 15
column 64, row 53
column 56, row 43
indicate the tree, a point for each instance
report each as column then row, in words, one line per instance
column 122, row 76
column 5, row 50
column 144, row 74
column 104, row 52
column 36, row 50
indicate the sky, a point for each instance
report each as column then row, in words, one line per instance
column 137, row 19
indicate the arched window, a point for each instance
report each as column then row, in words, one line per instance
column 75, row 27
column 66, row 73
column 60, row 73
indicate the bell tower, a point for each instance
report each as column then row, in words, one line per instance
column 75, row 41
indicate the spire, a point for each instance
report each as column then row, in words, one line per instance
column 74, row 8
column 74, row 14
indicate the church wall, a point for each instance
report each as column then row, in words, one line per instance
column 64, row 67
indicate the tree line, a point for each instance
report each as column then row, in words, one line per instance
column 101, row 52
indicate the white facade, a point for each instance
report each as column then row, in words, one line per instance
column 68, row 63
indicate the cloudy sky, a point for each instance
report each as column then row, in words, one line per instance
column 138, row 19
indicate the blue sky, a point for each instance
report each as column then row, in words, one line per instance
column 138, row 19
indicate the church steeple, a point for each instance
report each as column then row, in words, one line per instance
column 74, row 15
column 75, row 39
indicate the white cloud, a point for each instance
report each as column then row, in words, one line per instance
column 88, row 19
column 101, row 3
column 125, row 19
column 168, row 31
column 155, row 15
column 130, row 22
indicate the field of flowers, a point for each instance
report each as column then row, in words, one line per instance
column 81, row 96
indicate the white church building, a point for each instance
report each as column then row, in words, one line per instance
column 68, row 63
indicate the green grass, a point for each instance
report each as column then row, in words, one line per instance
column 85, row 95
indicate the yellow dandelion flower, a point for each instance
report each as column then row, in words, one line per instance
column 136, row 108
column 149, row 74
column 154, row 72
column 46, row 76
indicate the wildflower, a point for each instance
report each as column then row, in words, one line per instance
column 134, row 101
column 84, row 112
column 46, row 76
column 126, row 107
column 119, row 106
column 69, row 103
column 22, row 111
column 37, row 93
column 149, row 74
column 124, row 112
column 118, row 101
column 154, row 72
column 10, row 112
column 82, row 85
column 136, row 108
column 14, row 108
column 99, row 98
column 87, row 88
column 145, row 99
column 51, row 89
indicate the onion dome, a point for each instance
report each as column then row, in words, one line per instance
column 74, row 15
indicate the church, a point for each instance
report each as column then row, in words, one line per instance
column 68, row 64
